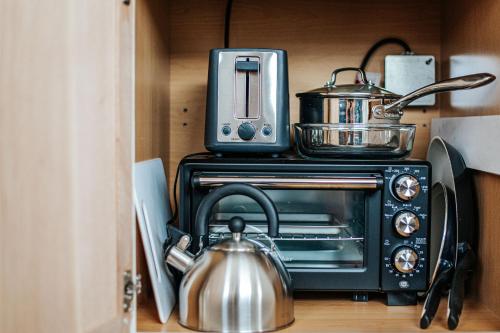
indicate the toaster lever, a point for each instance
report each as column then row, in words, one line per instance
column 247, row 66
column 247, row 86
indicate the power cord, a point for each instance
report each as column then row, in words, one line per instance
column 227, row 22
column 380, row 43
column 174, row 194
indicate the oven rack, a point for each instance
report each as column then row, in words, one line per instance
column 291, row 229
column 289, row 237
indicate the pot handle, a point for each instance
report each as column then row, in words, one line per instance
column 394, row 109
column 205, row 208
column 333, row 79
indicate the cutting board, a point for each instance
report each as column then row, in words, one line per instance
column 153, row 211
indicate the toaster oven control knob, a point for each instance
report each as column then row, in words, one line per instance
column 405, row 259
column 246, row 131
column 406, row 223
column 406, row 187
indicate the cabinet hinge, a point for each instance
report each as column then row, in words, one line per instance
column 132, row 287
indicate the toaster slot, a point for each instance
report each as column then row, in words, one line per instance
column 247, row 88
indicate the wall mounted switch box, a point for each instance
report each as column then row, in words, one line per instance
column 406, row 73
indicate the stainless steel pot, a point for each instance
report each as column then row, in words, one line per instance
column 366, row 103
column 236, row 285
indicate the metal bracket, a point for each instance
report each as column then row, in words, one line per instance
column 132, row 287
column 184, row 242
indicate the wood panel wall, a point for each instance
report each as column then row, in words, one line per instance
column 152, row 96
column 472, row 29
column 319, row 35
column 152, row 80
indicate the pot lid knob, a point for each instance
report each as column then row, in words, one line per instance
column 237, row 225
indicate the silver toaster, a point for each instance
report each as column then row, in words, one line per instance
column 247, row 101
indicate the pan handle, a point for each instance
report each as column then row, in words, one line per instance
column 438, row 286
column 465, row 263
column 394, row 110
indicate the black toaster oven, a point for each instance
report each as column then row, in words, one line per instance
column 344, row 225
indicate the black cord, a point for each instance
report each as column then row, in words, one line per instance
column 380, row 43
column 176, row 208
column 227, row 22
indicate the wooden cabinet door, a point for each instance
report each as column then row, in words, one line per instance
column 66, row 153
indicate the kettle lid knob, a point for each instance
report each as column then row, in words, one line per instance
column 236, row 225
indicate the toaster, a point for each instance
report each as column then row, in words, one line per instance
column 247, row 101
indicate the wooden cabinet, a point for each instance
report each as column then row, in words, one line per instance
column 66, row 139
column 319, row 35
column 88, row 87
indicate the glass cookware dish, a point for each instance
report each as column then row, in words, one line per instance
column 344, row 140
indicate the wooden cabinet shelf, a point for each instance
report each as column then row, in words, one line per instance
column 340, row 314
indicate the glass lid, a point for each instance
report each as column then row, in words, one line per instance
column 364, row 89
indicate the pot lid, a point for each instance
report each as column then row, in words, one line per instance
column 365, row 89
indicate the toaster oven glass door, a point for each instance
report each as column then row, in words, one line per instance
column 326, row 222
column 318, row 228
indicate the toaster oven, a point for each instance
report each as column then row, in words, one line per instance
column 360, row 226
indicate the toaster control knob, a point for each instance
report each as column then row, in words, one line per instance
column 406, row 187
column 267, row 131
column 226, row 130
column 246, row 131
column 406, row 223
column 405, row 259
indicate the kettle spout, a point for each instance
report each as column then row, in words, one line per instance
column 178, row 257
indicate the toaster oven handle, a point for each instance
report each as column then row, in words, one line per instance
column 350, row 183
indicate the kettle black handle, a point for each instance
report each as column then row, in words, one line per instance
column 207, row 203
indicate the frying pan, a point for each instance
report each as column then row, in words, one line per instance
column 449, row 170
column 442, row 247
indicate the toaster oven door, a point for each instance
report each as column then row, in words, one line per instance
column 329, row 233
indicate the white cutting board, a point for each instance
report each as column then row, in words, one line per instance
column 153, row 212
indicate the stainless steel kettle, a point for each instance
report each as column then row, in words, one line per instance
column 236, row 285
